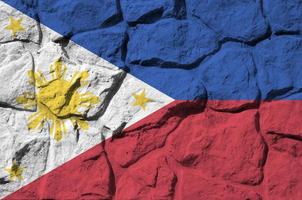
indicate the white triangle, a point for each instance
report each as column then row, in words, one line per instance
column 36, row 151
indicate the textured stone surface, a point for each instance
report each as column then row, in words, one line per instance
column 192, row 86
column 172, row 42
column 102, row 11
column 240, row 60
column 153, row 180
column 235, row 78
column 114, row 37
column 240, row 20
column 195, row 186
column 32, row 32
column 283, row 164
column 284, row 16
column 278, row 63
column 276, row 112
column 144, row 11
column 220, row 134
column 15, row 62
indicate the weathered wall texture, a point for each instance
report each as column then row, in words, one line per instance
column 239, row 56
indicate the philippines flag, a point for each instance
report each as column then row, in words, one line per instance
column 151, row 99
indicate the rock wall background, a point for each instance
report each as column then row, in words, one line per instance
column 218, row 158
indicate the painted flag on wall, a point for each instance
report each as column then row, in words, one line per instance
column 171, row 99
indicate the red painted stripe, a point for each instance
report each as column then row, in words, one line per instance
column 184, row 153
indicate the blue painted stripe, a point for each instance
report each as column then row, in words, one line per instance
column 180, row 56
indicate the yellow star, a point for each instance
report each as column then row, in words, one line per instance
column 15, row 172
column 15, row 26
column 141, row 100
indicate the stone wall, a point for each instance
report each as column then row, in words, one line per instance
column 241, row 60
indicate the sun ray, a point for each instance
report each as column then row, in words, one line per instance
column 64, row 128
column 40, row 79
column 31, row 76
column 84, row 76
column 36, row 121
column 52, row 128
column 80, row 76
column 58, row 133
column 89, row 99
column 27, row 99
column 58, row 70
column 82, row 124
column 75, row 77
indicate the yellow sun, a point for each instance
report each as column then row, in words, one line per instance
column 58, row 100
